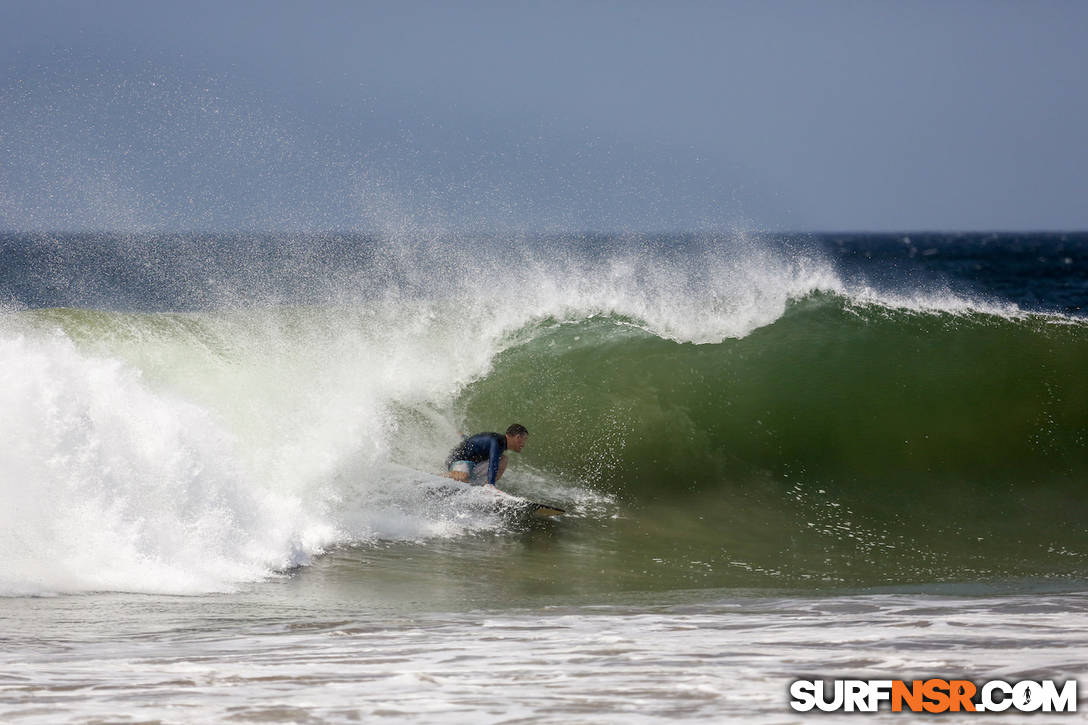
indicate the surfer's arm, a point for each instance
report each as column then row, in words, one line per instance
column 494, row 455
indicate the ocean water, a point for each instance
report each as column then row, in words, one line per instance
column 783, row 457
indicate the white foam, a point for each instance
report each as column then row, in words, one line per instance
column 108, row 485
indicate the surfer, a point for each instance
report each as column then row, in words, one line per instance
column 464, row 461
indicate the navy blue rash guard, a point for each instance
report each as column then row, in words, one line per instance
column 479, row 448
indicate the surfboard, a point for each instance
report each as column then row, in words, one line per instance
column 525, row 506
column 509, row 501
column 529, row 508
column 543, row 510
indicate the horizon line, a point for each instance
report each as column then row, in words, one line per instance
column 570, row 232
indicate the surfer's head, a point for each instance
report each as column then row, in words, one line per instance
column 516, row 435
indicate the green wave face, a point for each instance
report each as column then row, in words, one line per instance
column 839, row 444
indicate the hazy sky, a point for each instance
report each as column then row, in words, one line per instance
column 544, row 116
